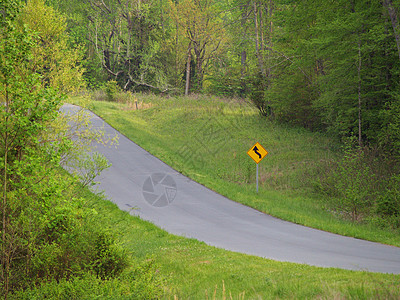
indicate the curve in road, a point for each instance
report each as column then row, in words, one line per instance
column 183, row 207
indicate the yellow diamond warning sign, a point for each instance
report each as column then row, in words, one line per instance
column 257, row 152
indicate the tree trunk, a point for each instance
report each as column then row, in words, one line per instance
column 243, row 54
column 258, row 53
column 243, row 58
column 359, row 94
column 270, row 45
column 177, row 68
column 199, row 70
column 189, row 58
column 395, row 22
column 5, row 262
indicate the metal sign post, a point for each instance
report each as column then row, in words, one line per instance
column 257, row 153
column 257, row 177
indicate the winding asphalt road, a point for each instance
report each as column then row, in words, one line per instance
column 139, row 180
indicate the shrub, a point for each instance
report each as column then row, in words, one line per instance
column 350, row 184
column 387, row 206
column 111, row 90
column 257, row 95
column 109, row 259
column 142, row 282
column 362, row 185
column 353, row 180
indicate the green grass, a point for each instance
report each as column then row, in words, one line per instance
column 189, row 269
column 207, row 139
column 193, row 270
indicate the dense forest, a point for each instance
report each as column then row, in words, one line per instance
column 326, row 65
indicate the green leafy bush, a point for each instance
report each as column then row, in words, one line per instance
column 354, row 182
column 362, row 186
column 111, row 90
column 349, row 184
column 257, row 95
column 109, row 259
column 387, row 206
column 143, row 282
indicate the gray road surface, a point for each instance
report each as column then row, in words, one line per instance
column 200, row 213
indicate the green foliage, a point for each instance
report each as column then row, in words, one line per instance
column 220, row 84
column 111, row 90
column 146, row 282
column 353, row 182
column 257, row 95
column 58, row 64
column 362, row 187
column 325, row 66
column 123, row 40
column 389, row 136
column 109, row 260
column 141, row 283
column 291, row 99
column 44, row 232
column 8, row 11
column 387, row 206
column 341, row 69
column 199, row 33
column 68, row 246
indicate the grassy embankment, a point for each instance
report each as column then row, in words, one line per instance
column 217, row 135
column 207, row 140
column 194, row 270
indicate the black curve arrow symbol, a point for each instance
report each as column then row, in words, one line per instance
column 255, row 149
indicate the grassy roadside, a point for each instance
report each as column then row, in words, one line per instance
column 207, row 139
column 189, row 269
column 194, row 270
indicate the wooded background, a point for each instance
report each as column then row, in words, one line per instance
column 325, row 65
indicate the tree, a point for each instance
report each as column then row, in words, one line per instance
column 59, row 65
column 358, row 55
column 26, row 109
column 34, row 139
column 394, row 18
column 335, row 67
column 125, row 37
column 200, row 23
column 248, row 64
column 331, row 66
column 388, row 135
